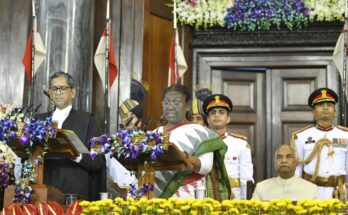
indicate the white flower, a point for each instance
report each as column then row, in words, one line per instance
column 206, row 13
column 7, row 155
column 326, row 10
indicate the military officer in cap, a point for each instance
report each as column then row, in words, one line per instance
column 322, row 149
column 238, row 160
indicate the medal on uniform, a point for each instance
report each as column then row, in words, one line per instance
column 309, row 140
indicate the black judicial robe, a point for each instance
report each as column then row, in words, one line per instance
column 86, row 178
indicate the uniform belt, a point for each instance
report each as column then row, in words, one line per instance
column 234, row 182
column 331, row 181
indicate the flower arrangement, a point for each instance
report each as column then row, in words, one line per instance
column 35, row 131
column 211, row 206
column 203, row 13
column 262, row 14
column 29, row 133
column 23, row 190
column 131, row 146
column 128, row 144
column 326, row 10
column 6, row 167
column 5, row 109
column 254, row 15
column 8, row 129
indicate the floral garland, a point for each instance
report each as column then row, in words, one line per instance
column 326, row 10
column 5, row 109
column 254, row 15
column 30, row 133
column 129, row 145
column 211, row 206
column 203, row 13
column 36, row 131
column 23, row 190
column 6, row 174
column 135, row 192
column 8, row 129
column 262, row 14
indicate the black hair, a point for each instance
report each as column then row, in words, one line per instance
column 180, row 89
column 68, row 77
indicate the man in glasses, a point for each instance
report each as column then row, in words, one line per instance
column 82, row 175
column 194, row 140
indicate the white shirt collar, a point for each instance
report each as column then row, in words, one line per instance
column 61, row 115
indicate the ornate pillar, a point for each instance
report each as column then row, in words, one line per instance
column 66, row 28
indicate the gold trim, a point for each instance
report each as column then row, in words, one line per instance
column 239, row 136
column 234, row 182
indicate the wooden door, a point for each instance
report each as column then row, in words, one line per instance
column 269, row 104
column 288, row 96
column 246, row 90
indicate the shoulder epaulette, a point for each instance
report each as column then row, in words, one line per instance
column 302, row 129
column 342, row 128
column 294, row 134
column 239, row 136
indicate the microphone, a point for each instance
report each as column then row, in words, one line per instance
column 47, row 94
column 18, row 111
column 28, row 110
column 51, row 106
column 160, row 121
column 37, row 108
column 148, row 121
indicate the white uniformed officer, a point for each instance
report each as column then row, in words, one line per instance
column 322, row 149
column 238, row 161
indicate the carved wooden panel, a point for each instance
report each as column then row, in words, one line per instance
column 246, row 91
column 296, row 92
column 301, row 55
column 242, row 93
column 290, row 112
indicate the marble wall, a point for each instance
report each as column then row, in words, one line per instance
column 70, row 31
column 66, row 28
column 13, row 33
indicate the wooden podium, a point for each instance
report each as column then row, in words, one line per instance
column 172, row 158
column 65, row 144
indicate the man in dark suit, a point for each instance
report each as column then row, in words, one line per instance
column 81, row 175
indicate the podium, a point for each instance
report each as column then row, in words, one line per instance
column 65, row 144
column 172, row 158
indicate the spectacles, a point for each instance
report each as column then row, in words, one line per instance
column 61, row 89
column 175, row 103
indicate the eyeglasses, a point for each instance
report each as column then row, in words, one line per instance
column 61, row 89
column 175, row 103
